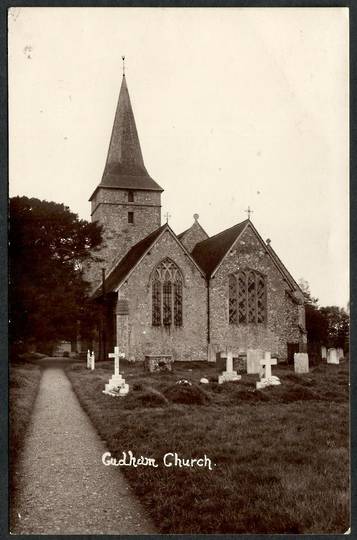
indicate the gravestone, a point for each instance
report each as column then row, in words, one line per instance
column 229, row 374
column 332, row 357
column 340, row 353
column 254, row 356
column 92, row 361
column 240, row 363
column 89, row 357
column 323, row 352
column 116, row 385
column 301, row 363
column 266, row 377
column 158, row 362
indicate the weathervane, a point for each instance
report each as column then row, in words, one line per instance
column 123, row 58
column 249, row 211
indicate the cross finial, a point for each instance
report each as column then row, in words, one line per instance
column 123, row 58
column 249, row 211
column 195, row 217
column 167, row 216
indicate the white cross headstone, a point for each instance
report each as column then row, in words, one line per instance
column 116, row 385
column 88, row 359
column 332, row 357
column 301, row 363
column 229, row 374
column 266, row 377
column 116, row 355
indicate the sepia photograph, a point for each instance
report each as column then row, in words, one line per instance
column 179, row 303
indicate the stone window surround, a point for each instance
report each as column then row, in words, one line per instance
column 176, row 284
column 237, row 322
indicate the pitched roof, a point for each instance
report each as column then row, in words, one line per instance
column 128, row 262
column 209, row 253
column 125, row 167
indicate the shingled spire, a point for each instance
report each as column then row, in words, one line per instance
column 124, row 168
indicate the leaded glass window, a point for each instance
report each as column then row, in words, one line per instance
column 247, row 297
column 167, row 295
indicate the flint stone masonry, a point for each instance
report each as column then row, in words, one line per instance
column 186, row 342
column 192, row 236
column 301, row 363
column 283, row 314
column 110, row 208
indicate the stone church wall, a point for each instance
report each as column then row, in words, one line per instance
column 283, row 314
column 192, row 236
column 110, row 208
column 188, row 342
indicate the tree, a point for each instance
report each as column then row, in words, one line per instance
column 338, row 323
column 48, row 295
column 325, row 325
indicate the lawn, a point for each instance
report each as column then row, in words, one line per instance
column 281, row 454
column 24, row 380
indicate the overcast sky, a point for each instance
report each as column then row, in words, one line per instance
column 234, row 107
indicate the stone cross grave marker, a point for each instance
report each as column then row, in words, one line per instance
column 229, row 374
column 301, row 362
column 332, row 357
column 116, row 385
column 266, row 377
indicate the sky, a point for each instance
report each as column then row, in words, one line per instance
column 234, row 107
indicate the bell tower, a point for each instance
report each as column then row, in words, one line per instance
column 127, row 202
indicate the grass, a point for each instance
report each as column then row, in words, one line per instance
column 24, row 380
column 281, row 453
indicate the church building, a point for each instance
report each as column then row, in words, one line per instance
column 188, row 295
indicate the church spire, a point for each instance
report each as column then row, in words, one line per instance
column 124, row 147
column 124, row 168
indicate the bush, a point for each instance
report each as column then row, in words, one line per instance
column 187, row 394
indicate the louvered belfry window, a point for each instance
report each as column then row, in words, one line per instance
column 167, row 295
column 247, row 297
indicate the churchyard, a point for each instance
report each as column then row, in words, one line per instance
column 280, row 452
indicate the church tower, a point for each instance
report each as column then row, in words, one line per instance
column 127, row 202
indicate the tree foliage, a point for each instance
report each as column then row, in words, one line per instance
column 48, row 295
column 325, row 325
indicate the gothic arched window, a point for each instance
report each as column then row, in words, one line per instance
column 247, row 297
column 167, row 295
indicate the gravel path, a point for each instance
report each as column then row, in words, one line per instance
column 65, row 488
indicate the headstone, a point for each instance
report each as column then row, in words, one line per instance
column 158, row 362
column 323, row 352
column 266, row 377
column 88, row 359
column 229, row 374
column 254, row 356
column 92, row 361
column 116, row 385
column 332, row 357
column 301, row 363
column 340, row 353
column 204, row 380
